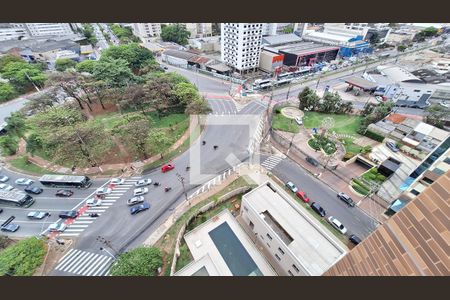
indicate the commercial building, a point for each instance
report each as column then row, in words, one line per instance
column 367, row 31
column 293, row 242
column 177, row 57
column 413, row 242
column 11, row 31
column 305, row 53
column 147, row 31
column 241, row 45
column 278, row 28
column 206, row 44
column 270, row 62
column 221, row 248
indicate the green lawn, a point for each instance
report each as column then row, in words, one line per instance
column 280, row 122
column 342, row 123
column 22, row 164
column 350, row 146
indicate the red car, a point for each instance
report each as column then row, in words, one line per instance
column 302, row 196
column 166, row 168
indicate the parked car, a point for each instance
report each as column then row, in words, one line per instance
column 346, row 198
column 143, row 182
column 312, row 161
column 392, row 146
column 10, row 227
column 354, row 239
column 138, row 208
column 117, row 181
column 33, row 190
column 64, row 193
column 140, row 191
column 37, row 215
column 57, row 227
column 6, row 187
column 4, row 178
column 93, row 202
column 135, row 200
column 24, row 181
column 167, row 168
column 302, row 196
column 318, row 209
column 299, row 120
column 1, row 210
column 103, row 191
column 290, row 185
column 336, row 224
column 68, row 214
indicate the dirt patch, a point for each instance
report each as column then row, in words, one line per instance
column 97, row 109
column 292, row 112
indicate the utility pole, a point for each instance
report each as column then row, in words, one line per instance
column 317, row 84
column 181, row 179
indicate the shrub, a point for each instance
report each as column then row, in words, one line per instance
column 361, row 184
column 381, row 177
column 278, row 110
column 8, row 145
column 374, row 136
column 23, row 258
column 141, row 261
column 348, row 155
column 360, row 189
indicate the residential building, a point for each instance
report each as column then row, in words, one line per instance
column 366, row 30
column 199, row 30
column 241, row 45
column 206, row 44
column 44, row 29
column 278, row 28
column 221, row 248
column 10, row 31
column 413, row 242
column 290, row 238
column 146, row 31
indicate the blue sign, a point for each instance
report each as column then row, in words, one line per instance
column 314, row 130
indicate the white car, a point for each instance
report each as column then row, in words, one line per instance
column 444, row 104
column 143, row 182
column 24, row 181
column 102, row 191
column 6, row 187
column 336, row 224
column 140, row 191
column 57, row 227
column 135, row 200
column 299, row 120
column 4, row 178
column 117, row 181
column 93, row 202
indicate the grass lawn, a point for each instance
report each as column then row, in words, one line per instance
column 22, row 164
column 350, row 146
column 342, row 123
column 280, row 122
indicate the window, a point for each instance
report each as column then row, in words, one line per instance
column 447, row 160
column 290, row 273
column 281, row 250
column 268, row 235
column 415, row 192
column 268, row 245
column 252, row 226
column 295, row 268
column 279, row 258
column 245, row 208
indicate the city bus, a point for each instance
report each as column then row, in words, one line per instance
column 65, row 181
column 262, row 84
column 15, row 198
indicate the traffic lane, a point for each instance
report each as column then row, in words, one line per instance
column 27, row 229
column 353, row 218
column 222, row 106
column 11, row 106
column 253, row 108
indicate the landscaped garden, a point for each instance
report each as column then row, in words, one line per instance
column 283, row 123
column 363, row 185
column 319, row 142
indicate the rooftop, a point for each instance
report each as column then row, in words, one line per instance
column 179, row 54
column 361, row 83
column 305, row 48
column 398, row 74
column 307, row 240
column 281, row 39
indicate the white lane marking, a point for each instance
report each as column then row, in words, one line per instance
column 68, row 259
column 88, row 263
column 74, row 230
column 93, row 262
column 68, row 252
column 102, row 268
column 81, row 263
column 69, row 234
column 82, row 222
column 94, row 265
column 78, row 226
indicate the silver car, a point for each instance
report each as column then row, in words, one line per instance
column 140, row 191
column 6, row 187
column 336, row 224
column 24, row 181
column 57, row 227
column 143, row 182
column 4, row 178
column 135, row 200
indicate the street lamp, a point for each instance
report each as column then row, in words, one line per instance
column 181, row 179
column 104, row 249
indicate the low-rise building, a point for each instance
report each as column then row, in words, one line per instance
column 294, row 243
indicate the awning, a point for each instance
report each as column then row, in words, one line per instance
column 361, row 83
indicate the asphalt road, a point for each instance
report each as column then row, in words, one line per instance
column 356, row 221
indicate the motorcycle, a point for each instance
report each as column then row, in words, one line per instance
column 167, row 189
column 156, row 184
column 93, row 215
column 204, row 142
column 188, row 168
column 215, row 147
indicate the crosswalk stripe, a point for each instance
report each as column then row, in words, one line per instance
column 102, row 268
column 82, row 222
column 94, row 264
column 79, row 226
column 136, row 177
column 112, row 197
column 73, row 230
column 69, row 234
column 95, row 210
column 82, row 262
column 75, row 262
column 88, row 264
column 125, row 185
column 107, row 205
column 68, row 260
column 65, row 255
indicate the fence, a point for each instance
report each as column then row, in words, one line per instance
column 210, row 205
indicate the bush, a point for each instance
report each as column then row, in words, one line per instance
column 361, row 184
column 374, row 136
column 278, row 111
column 360, row 189
column 141, row 261
column 8, row 145
column 23, row 258
column 348, row 155
column 381, row 177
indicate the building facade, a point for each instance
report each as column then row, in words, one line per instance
column 43, row 29
column 241, row 45
column 146, row 31
column 10, row 31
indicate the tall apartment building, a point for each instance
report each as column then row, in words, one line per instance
column 414, row 242
column 146, row 31
column 41, row 29
column 241, row 45
column 12, row 31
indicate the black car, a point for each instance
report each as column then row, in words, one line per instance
column 346, row 198
column 318, row 209
column 312, row 161
column 33, row 190
column 64, row 193
column 1, row 210
column 68, row 214
column 354, row 239
column 138, row 208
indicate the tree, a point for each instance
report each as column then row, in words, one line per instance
column 135, row 55
column 436, row 115
column 7, row 91
column 88, row 32
column 288, row 29
column 176, row 33
column 56, row 117
column 124, row 34
column 186, row 92
column 141, row 261
column 86, row 66
column 70, row 83
column 23, row 258
column 43, row 101
column 8, row 144
column 114, row 72
column 373, row 113
column 330, row 103
column 4, row 60
column 308, row 99
column 62, row 64
column 23, row 75
column 34, row 143
column 16, row 124
column 197, row 107
column 159, row 94
column 401, row 48
column 135, row 134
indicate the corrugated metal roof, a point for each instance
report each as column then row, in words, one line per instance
column 281, row 39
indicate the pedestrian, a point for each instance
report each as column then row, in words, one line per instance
column 73, row 168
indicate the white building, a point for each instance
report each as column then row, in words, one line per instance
column 366, row 30
column 43, row 29
column 277, row 28
column 146, row 31
column 199, row 30
column 293, row 242
column 241, row 45
column 10, row 31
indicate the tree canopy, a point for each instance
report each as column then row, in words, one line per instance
column 176, row 33
column 62, row 64
column 22, row 258
column 88, row 32
column 436, row 115
column 86, row 66
column 135, row 55
column 115, row 72
column 22, row 75
column 124, row 34
column 7, row 91
column 141, row 261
